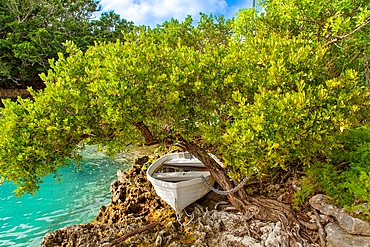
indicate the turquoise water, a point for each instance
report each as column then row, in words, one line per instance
column 76, row 200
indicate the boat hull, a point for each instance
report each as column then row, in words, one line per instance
column 181, row 194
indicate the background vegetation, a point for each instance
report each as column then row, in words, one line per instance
column 33, row 31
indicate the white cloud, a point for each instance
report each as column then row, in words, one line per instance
column 153, row 12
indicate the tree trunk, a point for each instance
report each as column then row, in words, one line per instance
column 259, row 207
column 149, row 139
column 217, row 172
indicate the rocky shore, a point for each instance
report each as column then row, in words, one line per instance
column 210, row 221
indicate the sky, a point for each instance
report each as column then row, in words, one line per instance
column 154, row 12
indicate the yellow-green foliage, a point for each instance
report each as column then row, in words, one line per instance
column 297, row 92
column 270, row 90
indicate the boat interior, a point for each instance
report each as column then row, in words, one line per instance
column 173, row 173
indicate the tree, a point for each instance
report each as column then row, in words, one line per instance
column 34, row 31
column 295, row 80
column 110, row 27
column 269, row 98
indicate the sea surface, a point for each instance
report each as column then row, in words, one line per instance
column 76, row 200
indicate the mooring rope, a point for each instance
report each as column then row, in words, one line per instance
column 222, row 192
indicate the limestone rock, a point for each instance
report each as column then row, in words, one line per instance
column 132, row 195
column 231, row 240
column 135, row 204
column 87, row 235
column 273, row 239
column 337, row 237
column 348, row 223
column 223, row 229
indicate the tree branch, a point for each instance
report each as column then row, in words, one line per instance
column 348, row 34
column 357, row 55
column 134, row 232
column 366, row 65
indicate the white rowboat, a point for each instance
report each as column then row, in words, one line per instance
column 176, row 179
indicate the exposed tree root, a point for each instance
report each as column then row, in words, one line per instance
column 259, row 207
column 321, row 231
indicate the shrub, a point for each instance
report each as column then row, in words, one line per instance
column 347, row 178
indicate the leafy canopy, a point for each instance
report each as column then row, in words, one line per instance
column 267, row 90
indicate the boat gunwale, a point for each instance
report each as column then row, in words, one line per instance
column 191, row 182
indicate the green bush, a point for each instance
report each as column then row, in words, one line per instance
column 347, row 178
column 308, row 186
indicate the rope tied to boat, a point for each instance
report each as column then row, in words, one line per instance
column 225, row 192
